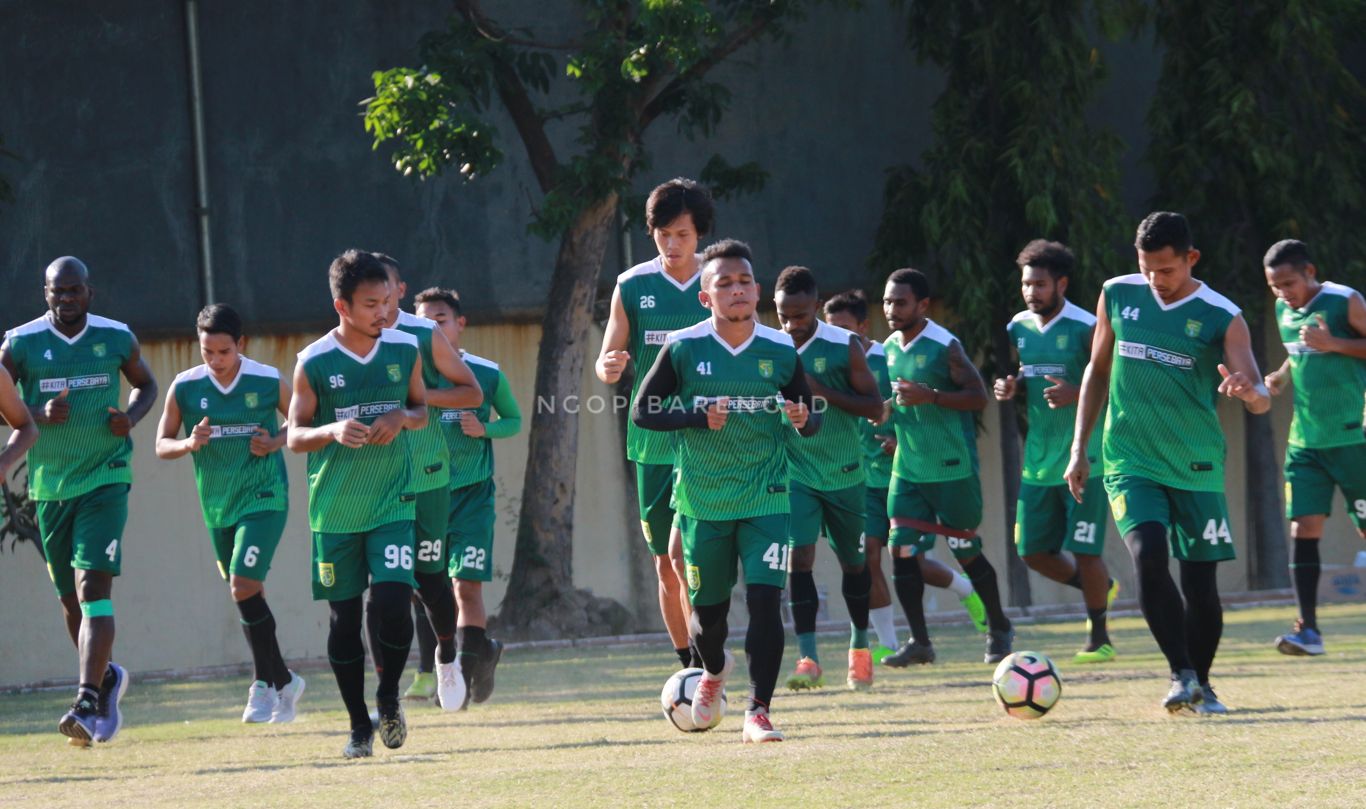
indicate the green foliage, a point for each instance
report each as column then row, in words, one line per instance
column 1013, row 159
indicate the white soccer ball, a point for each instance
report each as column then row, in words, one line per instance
column 1026, row 685
column 676, row 700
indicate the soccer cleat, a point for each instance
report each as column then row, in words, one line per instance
column 1111, row 594
column 288, row 705
column 78, row 723
column 1303, row 642
column 758, row 728
column 977, row 611
column 707, row 697
column 860, row 670
column 423, row 687
column 1184, row 695
column 1209, row 704
column 481, row 685
column 450, row 686
column 1102, row 654
column 393, row 727
column 261, row 702
column 108, row 713
column 999, row 645
column 881, row 652
column 807, row 675
column 911, row 652
column 361, row 745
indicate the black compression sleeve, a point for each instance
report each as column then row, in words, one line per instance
column 655, row 408
column 798, row 390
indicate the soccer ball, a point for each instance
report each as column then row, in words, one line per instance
column 1026, row 685
column 676, row 699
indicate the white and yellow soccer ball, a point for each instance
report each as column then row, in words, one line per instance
column 1026, row 685
column 676, row 700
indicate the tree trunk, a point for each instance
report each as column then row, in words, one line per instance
column 541, row 601
column 1017, row 573
column 1268, row 563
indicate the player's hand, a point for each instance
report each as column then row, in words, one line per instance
column 611, row 364
column 350, row 433
column 1236, row 385
column 1004, row 389
column 119, row 423
column 1062, row 393
column 199, row 435
column 1078, row 471
column 912, row 393
column 1275, row 382
column 386, row 428
column 796, row 413
column 57, row 409
column 888, row 445
column 263, row 443
column 717, row 412
column 1317, row 336
column 471, row 426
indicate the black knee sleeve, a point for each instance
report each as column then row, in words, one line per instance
column 708, row 629
column 763, row 642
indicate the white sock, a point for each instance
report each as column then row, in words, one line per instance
column 884, row 623
column 960, row 586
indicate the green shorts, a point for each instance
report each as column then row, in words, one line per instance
column 1196, row 522
column 83, row 533
column 839, row 513
column 1048, row 519
column 921, row 511
column 711, row 549
column 245, row 549
column 1312, row 474
column 875, row 522
column 345, row 564
column 654, row 490
column 429, row 529
column 470, row 534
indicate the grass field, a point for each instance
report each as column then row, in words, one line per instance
column 582, row 727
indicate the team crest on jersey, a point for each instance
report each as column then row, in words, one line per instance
column 395, row 374
column 819, row 365
column 253, row 401
column 920, row 361
column 694, row 578
column 1119, row 507
column 326, row 575
column 1193, row 328
column 1062, row 342
column 766, row 371
column 99, row 349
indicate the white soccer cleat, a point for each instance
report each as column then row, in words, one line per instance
column 261, row 701
column 288, row 704
column 706, row 701
column 450, row 685
column 758, row 728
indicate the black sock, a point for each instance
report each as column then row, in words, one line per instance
column 909, row 584
column 708, row 629
column 425, row 637
column 473, row 642
column 805, row 601
column 1204, row 614
column 694, row 657
column 684, row 655
column 393, row 632
column 1305, row 569
column 372, row 632
column 1158, row 597
column 856, row 588
column 258, row 624
column 434, row 589
column 1075, row 581
column 763, row 642
column 346, row 653
column 983, row 577
column 1100, row 634
column 85, row 690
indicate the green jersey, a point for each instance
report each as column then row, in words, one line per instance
column 655, row 305
column 740, row 470
column 429, row 464
column 832, row 459
column 933, row 444
column 233, row 482
column 1060, row 348
column 1329, row 387
column 877, row 465
column 80, row 455
column 1161, row 423
column 472, row 458
column 355, row 490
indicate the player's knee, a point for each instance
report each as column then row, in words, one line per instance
column 347, row 615
column 242, row 588
column 803, row 559
column 93, row 586
column 1147, row 544
column 764, row 602
column 391, row 599
column 468, row 592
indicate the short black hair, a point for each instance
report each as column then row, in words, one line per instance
column 796, row 280
column 438, row 295
column 670, row 200
column 219, row 318
column 1288, row 251
column 353, row 268
column 915, row 279
column 854, row 301
column 727, row 248
column 1161, row 229
column 389, row 262
column 1052, row 256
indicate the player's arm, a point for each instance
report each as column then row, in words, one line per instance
column 1095, row 389
column 263, row 443
column 1062, row 393
column 1241, row 379
column 20, row 420
column 303, row 406
column 971, row 394
column 1006, row 388
column 143, row 395
column 1278, row 379
column 1319, row 338
column 509, row 421
column 386, row 428
column 864, row 401
column 613, row 357
column 169, row 445
column 652, row 408
column 801, row 402
column 465, row 391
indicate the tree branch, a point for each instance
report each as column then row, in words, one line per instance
column 654, row 101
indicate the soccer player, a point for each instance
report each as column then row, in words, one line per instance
column 470, row 433
column 23, row 429
column 827, row 488
column 935, row 487
column 723, row 386
column 356, row 390
column 651, row 300
column 1163, row 340
column 449, row 384
column 228, row 407
column 1052, row 340
column 67, row 365
column 1323, row 328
